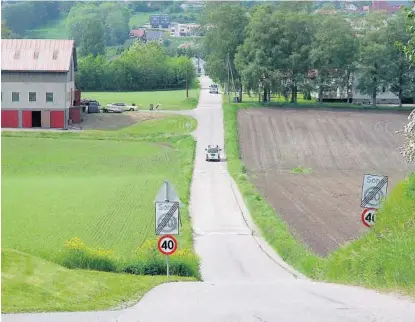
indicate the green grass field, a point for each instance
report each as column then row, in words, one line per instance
column 98, row 186
column 55, row 29
column 382, row 259
column 30, row 284
column 140, row 19
column 170, row 100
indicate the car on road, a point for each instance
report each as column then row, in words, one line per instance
column 122, row 106
column 213, row 153
column 214, row 89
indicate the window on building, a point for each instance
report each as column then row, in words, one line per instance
column 36, row 55
column 32, row 96
column 17, row 54
column 15, row 96
column 49, row 97
column 55, row 54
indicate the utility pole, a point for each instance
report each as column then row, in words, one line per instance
column 227, row 63
column 187, row 81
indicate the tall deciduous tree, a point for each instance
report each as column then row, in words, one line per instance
column 224, row 24
column 92, row 39
column 400, row 75
column 372, row 57
column 409, row 130
column 333, row 53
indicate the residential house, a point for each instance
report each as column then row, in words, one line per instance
column 183, row 30
column 160, row 21
column 154, row 35
column 139, row 34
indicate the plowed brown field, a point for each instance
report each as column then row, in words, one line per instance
column 322, row 208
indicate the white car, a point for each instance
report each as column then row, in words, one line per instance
column 214, row 89
column 213, row 153
column 122, row 106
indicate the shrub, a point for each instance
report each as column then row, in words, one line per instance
column 78, row 255
column 149, row 261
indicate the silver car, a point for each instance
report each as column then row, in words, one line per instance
column 122, row 106
column 213, row 153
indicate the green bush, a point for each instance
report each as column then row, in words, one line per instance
column 146, row 261
column 149, row 261
column 78, row 255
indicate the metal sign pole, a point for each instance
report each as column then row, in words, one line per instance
column 167, row 262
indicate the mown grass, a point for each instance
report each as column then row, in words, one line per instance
column 109, row 185
column 169, row 100
column 30, row 284
column 98, row 186
column 140, row 19
column 382, row 259
column 55, row 29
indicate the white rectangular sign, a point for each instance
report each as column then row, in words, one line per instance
column 167, row 218
column 374, row 190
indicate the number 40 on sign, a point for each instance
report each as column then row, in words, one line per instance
column 368, row 217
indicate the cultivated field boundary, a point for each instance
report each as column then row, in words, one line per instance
column 273, row 229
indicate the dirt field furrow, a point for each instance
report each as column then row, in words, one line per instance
column 322, row 208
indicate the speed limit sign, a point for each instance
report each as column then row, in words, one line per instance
column 167, row 245
column 368, row 217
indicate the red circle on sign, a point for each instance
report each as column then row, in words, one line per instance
column 364, row 213
column 167, row 245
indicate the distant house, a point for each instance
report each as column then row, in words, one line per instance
column 154, row 35
column 139, row 34
column 183, row 30
column 160, row 21
column 384, row 96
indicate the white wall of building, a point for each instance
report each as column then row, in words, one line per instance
column 59, row 91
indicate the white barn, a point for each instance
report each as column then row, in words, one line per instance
column 38, row 83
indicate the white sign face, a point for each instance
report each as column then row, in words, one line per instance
column 167, row 218
column 374, row 189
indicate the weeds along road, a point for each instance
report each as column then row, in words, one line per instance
column 243, row 280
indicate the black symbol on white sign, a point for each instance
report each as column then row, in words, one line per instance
column 170, row 226
column 165, row 219
column 373, row 195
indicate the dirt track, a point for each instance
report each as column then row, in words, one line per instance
column 321, row 208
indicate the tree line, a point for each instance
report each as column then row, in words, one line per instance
column 282, row 48
column 140, row 67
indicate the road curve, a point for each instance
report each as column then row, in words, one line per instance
column 243, row 279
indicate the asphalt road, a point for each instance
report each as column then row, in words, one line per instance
column 243, row 280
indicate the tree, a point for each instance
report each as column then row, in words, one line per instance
column 333, row 53
column 373, row 57
column 400, row 75
column 225, row 33
column 408, row 150
column 92, row 38
column 257, row 60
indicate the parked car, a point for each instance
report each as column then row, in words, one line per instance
column 213, row 153
column 112, row 109
column 213, row 89
column 123, row 106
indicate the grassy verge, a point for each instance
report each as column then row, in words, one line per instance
column 94, row 210
column 30, row 284
column 382, row 259
column 169, row 100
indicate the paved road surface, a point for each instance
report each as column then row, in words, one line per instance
column 244, row 281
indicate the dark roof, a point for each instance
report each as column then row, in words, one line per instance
column 154, row 34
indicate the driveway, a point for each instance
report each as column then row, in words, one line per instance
column 243, row 280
